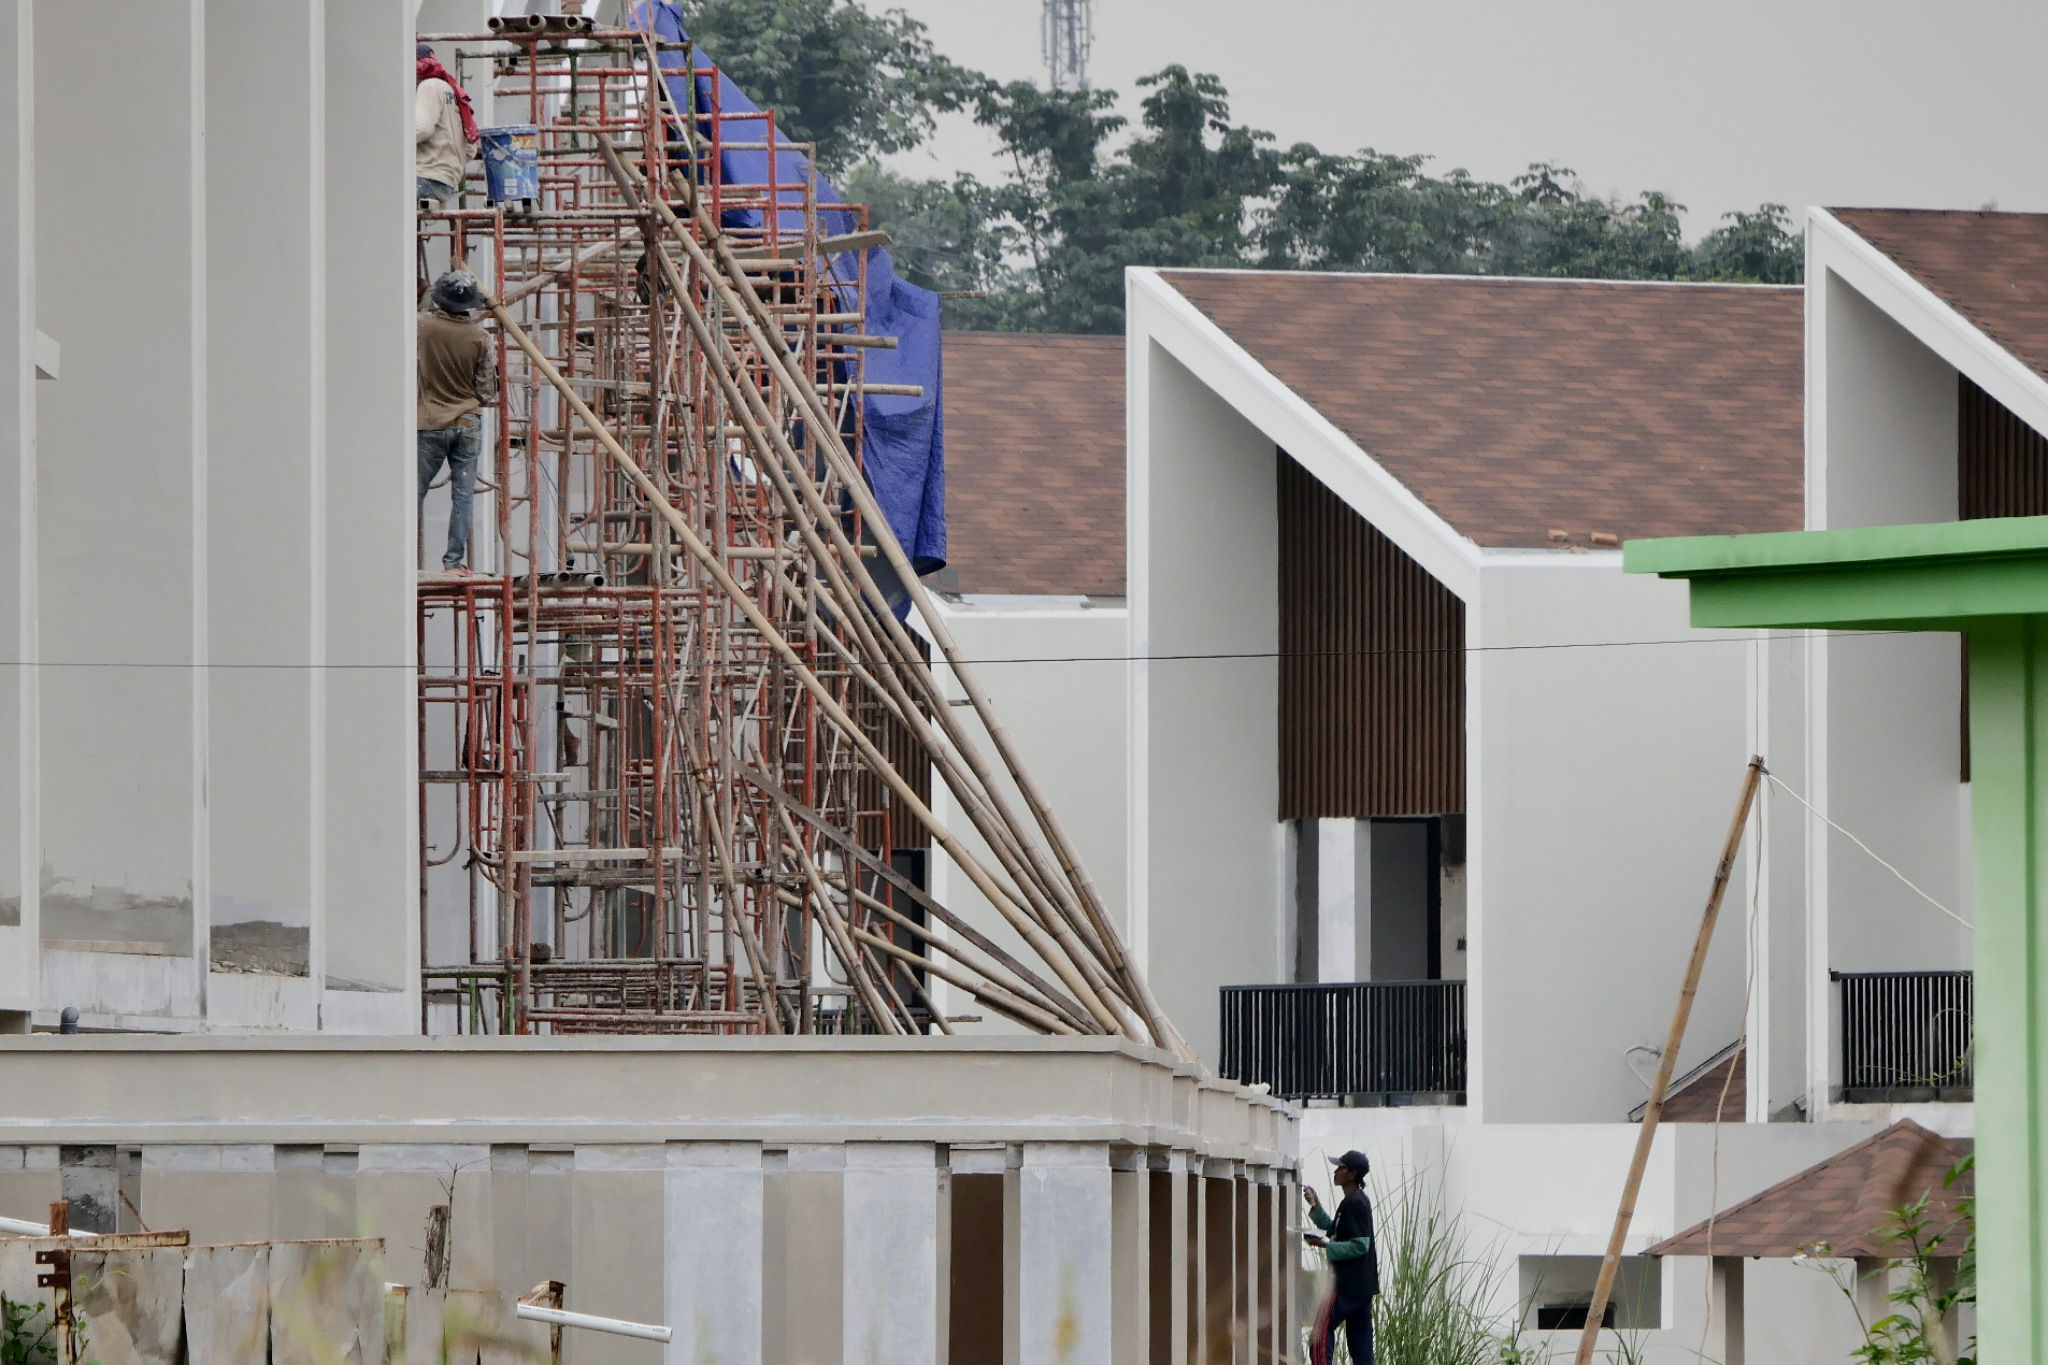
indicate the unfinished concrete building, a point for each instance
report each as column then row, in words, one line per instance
column 666, row 766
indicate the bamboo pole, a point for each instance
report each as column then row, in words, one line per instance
column 777, row 459
column 1101, row 960
column 1048, row 997
column 827, row 704
column 1610, row 1264
column 767, row 338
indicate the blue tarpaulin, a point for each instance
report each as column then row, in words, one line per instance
column 905, row 438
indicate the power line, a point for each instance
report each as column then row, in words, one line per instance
column 1217, row 657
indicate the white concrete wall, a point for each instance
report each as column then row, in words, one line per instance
column 1881, row 449
column 1603, row 777
column 20, row 916
column 221, row 515
column 1207, row 838
column 1067, row 719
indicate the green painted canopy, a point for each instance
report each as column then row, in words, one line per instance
column 1941, row 576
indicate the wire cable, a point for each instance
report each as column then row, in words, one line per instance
column 1851, row 837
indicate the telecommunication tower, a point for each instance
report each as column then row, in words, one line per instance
column 1067, row 31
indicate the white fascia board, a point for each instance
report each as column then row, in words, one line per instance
column 1527, row 557
column 1831, row 245
column 1157, row 312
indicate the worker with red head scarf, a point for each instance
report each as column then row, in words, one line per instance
column 444, row 131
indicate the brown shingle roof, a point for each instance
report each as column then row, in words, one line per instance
column 1695, row 1101
column 1842, row 1202
column 1034, row 464
column 1512, row 407
column 1990, row 267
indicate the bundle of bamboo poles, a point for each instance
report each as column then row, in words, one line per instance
column 1084, row 981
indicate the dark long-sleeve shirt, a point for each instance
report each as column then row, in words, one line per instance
column 1352, row 1255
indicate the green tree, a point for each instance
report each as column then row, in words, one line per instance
column 856, row 83
column 1088, row 193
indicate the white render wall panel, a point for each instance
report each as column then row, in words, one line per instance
column 1203, row 489
column 368, row 797
column 1604, row 776
column 1065, row 1252
column 890, row 1270
column 19, row 903
column 266, row 445
column 121, row 453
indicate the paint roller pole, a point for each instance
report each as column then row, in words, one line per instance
column 1610, row 1264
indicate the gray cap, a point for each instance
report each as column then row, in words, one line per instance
column 458, row 292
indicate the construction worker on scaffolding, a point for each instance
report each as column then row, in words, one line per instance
column 458, row 379
column 444, row 131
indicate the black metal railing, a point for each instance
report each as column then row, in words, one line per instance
column 1359, row 1040
column 1906, row 1036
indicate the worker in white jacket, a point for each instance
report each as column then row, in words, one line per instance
column 444, row 128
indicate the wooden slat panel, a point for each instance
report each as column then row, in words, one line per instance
column 1372, row 667
column 2001, row 462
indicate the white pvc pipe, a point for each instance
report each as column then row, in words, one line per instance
column 562, row 1318
column 18, row 1227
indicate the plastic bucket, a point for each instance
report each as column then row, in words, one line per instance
column 512, row 162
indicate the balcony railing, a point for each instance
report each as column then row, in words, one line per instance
column 1364, row 1041
column 1906, row 1036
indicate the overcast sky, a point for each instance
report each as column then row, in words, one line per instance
column 1721, row 103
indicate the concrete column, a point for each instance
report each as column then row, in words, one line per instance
column 121, row 459
column 266, row 450
column 1725, row 1336
column 1130, row 1203
column 891, row 1269
column 225, row 1193
column 804, row 1255
column 550, row 1176
column 298, row 1184
column 370, row 872
column 396, row 1184
column 505, row 1240
column 1065, row 1240
column 1343, row 866
column 617, row 1198
column 712, row 1251
column 29, row 1182
column 20, row 936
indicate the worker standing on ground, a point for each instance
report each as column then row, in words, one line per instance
column 458, row 379
column 1354, row 1262
column 444, row 131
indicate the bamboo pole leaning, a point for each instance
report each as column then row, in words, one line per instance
column 765, row 332
column 1065, row 915
column 778, row 460
column 1106, row 1019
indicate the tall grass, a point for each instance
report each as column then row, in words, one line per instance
column 1436, row 1290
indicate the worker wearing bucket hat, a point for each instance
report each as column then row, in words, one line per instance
column 1349, row 1243
column 458, row 379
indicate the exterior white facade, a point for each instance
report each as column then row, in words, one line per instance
column 209, row 684
column 1606, row 741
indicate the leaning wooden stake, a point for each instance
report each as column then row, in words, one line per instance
column 1610, row 1264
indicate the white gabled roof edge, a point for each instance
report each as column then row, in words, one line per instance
column 1931, row 319
column 1161, row 313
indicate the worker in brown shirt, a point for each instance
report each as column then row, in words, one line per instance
column 458, row 378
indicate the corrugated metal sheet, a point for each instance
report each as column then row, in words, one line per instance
column 1372, row 667
column 2001, row 462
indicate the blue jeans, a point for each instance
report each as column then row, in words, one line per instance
column 434, row 190
column 458, row 447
